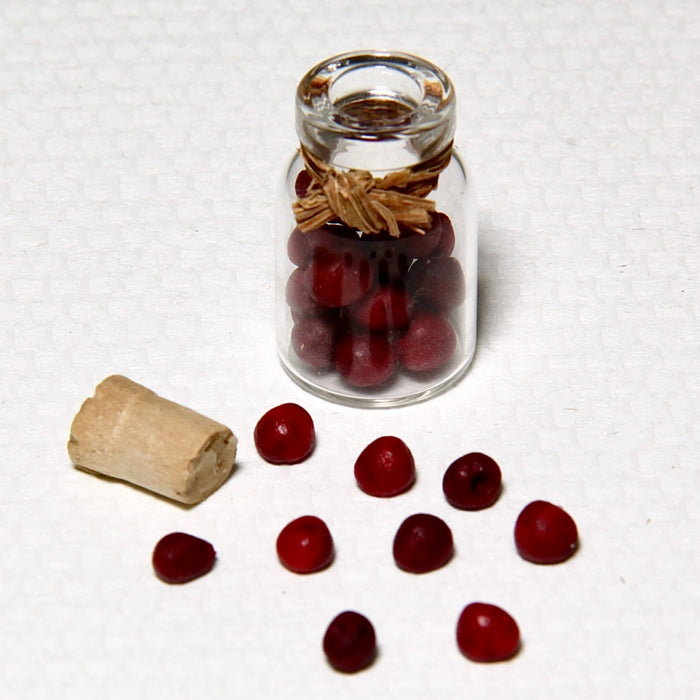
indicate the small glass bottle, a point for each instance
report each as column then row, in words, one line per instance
column 376, row 235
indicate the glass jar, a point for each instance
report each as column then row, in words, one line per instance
column 376, row 235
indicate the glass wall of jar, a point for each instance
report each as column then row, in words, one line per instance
column 376, row 235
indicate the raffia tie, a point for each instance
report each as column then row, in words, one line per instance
column 369, row 204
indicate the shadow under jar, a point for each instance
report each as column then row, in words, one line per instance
column 376, row 235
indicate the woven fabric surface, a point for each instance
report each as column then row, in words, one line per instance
column 140, row 148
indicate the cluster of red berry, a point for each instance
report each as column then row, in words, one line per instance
column 369, row 306
column 544, row 534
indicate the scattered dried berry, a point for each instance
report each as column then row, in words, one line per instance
column 385, row 467
column 364, row 360
column 305, row 545
column 179, row 557
column 285, row 434
column 350, row 642
column 422, row 543
column 427, row 345
column 472, row 482
column 487, row 633
column 545, row 533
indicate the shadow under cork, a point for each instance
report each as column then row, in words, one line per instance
column 152, row 494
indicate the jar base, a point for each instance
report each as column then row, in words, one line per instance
column 404, row 391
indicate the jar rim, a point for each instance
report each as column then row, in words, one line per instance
column 376, row 94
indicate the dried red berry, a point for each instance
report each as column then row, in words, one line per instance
column 386, row 308
column 302, row 182
column 422, row 543
column 472, row 482
column 179, row 557
column 297, row 249
column 419, row 245
column 446, row 244
column 437, row 283
column 298, row 297
column 487, row 633
column 385, row 467
column 285, row 434
column 428, row 343
column 350, row 643
column 545, row 533
column 302, row 246
column 339, row 277
column 312, row 339
column 364, row 360
column 305, row 545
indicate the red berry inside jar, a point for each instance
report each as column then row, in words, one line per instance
column 339, row 277
column 285, row 434
column 422, row 543
column 313, row 339
column 364, row 360
column 428, row 344
column 370, row 308
column 545, row 533
column 385, row 467
column 180, row 557
column 305, row 545
column 447, row 240
column 384, row 309
column 437, row 283
column 299, row 299
column 350, row 643
column 487, row 633
column 302, row 183
column 472, row 482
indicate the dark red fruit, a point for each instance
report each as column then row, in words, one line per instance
column 340, row 277
column 297, row 249
column 312, row 340
column 301, row 184
column 305, row 545
column 437, row 283
column 419, row 245
column 285, row 434
column 179, row 557
column 386, row 308
column 472, row 482
column 446, row 244
column 428, row 343
column 303, row 246
column 388, row 260
column 422, row 543
column 487, row 633
column 350, row 643
column 545, row 533
column 298, row 297
column 385, row 467
column 364, row 360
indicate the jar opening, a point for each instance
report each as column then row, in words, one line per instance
column 375, row 96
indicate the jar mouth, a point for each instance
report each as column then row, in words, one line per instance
column 376, row 95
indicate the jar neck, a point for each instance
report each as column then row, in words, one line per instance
column 375, row 111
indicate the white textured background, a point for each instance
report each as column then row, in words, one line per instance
column 140, row 146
